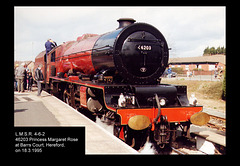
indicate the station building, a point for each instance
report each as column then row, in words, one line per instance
column 204, row 64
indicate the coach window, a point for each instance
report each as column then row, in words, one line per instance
column 45, row 57
column 53, row 57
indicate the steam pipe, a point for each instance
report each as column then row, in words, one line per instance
column 159, row 108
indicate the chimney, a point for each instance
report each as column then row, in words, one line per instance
column 123, row 22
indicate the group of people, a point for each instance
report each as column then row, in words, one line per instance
column 23, row 78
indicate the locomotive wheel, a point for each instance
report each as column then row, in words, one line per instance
column 116, row 130
column 66, row 99
column 135, row 138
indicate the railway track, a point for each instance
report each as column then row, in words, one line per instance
column 186, row 151
column 178, row 151
column 217, row 123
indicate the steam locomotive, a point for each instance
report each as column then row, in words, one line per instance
column 116, row 75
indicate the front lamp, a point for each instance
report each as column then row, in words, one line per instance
column 162, row 101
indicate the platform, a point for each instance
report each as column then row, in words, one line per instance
column 210, row 142
column 47, row 110
column 214, row 113
column 212, row 137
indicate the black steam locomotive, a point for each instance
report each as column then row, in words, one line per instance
column 117, row 75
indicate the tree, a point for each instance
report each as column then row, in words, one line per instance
column 213, row 51
column 218, row 50
column 206, row 51
column 223, row 50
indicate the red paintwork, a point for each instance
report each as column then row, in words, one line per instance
column 83, row 96
column 59, row 53
column 73, row 78
column 178, row 114
column 121, row 134
column 39, row 60
column 174, row 114
column 76, row 55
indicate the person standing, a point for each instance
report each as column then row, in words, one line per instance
column 25, row 78
column 49, row 45
column 39, row 78
column 30, row 81
column 20, row 73
column 169, row 70
column 54, row 43
column 15, row 78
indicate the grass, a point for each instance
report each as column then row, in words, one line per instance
column 208, row 93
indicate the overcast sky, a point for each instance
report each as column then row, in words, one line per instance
column 188, row 30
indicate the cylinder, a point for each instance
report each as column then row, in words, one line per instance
column 93, row 105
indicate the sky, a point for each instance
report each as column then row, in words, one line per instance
column 188, row 30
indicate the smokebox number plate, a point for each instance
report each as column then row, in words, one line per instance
column 144, row 47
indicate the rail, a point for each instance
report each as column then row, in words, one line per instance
column 178, row 151
column 217, row 123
